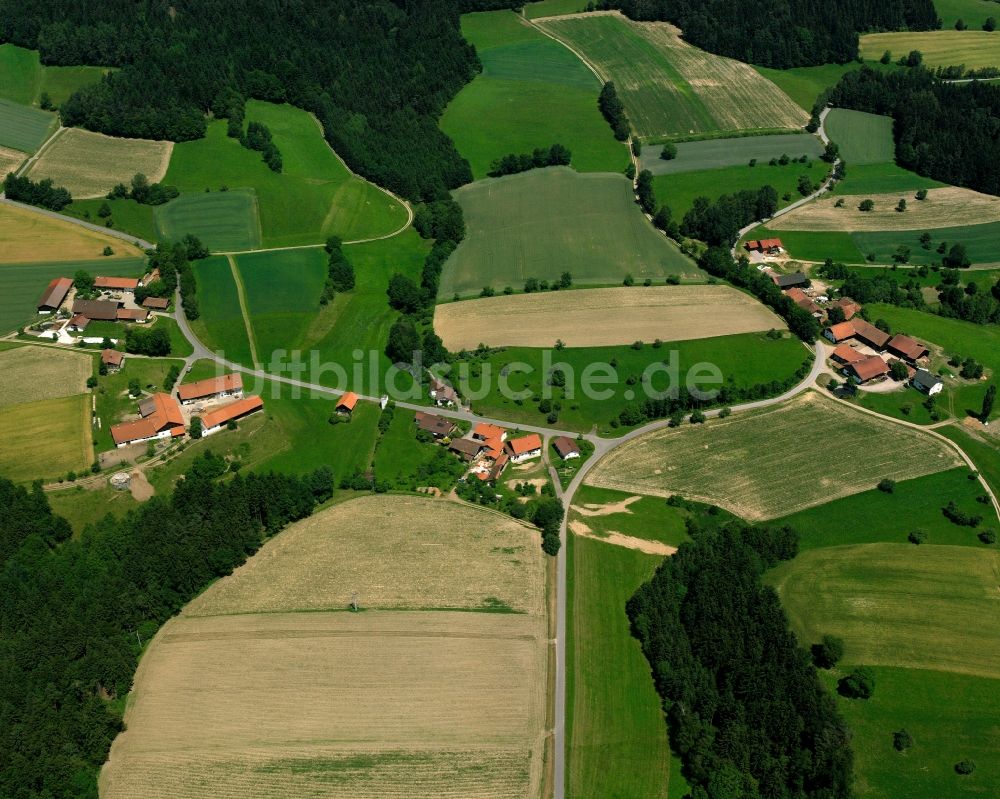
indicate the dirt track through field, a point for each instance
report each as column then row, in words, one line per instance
column 601, row 317
column 948, row 207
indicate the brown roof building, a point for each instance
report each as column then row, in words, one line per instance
column 223, row 386
column 161, row 418
column 436, row 425
column 116, row 283
column 466, row 447
column 868, row 369
column 112, row 358
column 55, row 293
column 529, row 446
column 566, row 447
column 848, row 306
column 846, row 354
column 99, row 310
column 498, row 466
column 133, row 315
column 156, row 303
column 906, row 348
column 213, row 421
column 79, row 322
column 859, row 329
column 484, row 431
column 800, row 298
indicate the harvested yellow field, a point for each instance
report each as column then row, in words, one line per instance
column 769, row 463
column 38, row 373
column 10, row 160
column 942, row 48
column 30, row 237
column 948, row 207
column 395, row 552
column 90, row 164
column 261, row 701
column 602, row 317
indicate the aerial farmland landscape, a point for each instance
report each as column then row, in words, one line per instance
column 490, row 399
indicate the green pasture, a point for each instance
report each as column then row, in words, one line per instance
column 24, row 128
column 809, row 245
column 616, row 735
column 984, row 451
column 956, row 337
column 941, row 48
column 650, row 518
column 126, row 215
column 179, row 345
column 222, row 220
column 973, row 12
column 400, row 457
column 221, row 325
column 679, row 190
column 982, row 243
column 545, row 222
column 23, row 78
column 315, row 196
column 21, row 285
column 903, row 605
column 282, row 288
column 46, row 439
column 804, row 84
column 712, row 154
column 533, row 92
column 744, row 360
column 877, row 517
column 882, row 178
column 863, row 138
column 553, row 8
column 950, row 716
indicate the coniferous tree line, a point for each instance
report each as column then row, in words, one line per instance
column 376, row 73
column 947, row 131
column 43, row 193
column 513, row 163
column 782, row 33
column 71, row 610
column 745, row 709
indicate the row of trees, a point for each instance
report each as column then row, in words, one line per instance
column 143, row 192
column 258, row 137
column 339, row 272
column 745, row 709
column 511, row 164
column 944, row 130
column 72, row 610
column 330, row 57
column 614, row 111
column 782, row 33
column 44, row 193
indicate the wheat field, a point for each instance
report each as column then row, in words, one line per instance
column 30, row 237
column 10, row 160
column 949, row 207
column 769, row 463
column 90, row 164
column 602, row 317
column 243, row 696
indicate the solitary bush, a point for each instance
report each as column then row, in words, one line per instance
column 988, row 536
column 828, row 652
column 917, row 537
column 902, row 740
column 887, row 486
column 859, row 684
column 965, row 767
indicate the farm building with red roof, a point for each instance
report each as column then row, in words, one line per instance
column 525, row 447
column 868, row 368
column 54, row 294
column 214, row 421
column 161, row 418
column 230, row 385
column 906, row 348
column 116, row 283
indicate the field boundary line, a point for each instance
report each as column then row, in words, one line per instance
column 32, row 159
column 241, row 295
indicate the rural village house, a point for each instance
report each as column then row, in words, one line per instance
column 864, row 331
column 443, row 394
column 485, row 432
column 161, row 418
column 845, row 354
column 78, row 323
column 54, row 294
column 566, row 447
column 230, row 385
column 466, row 448
column 927, row 382
column 767, row 246
column 804, row 301
column 525, row 447
column 113, row 359
column 214, row 421
column 437, row 426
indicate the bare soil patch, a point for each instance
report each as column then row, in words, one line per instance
column 90, row 164
column 621, row 540
column 607, row 509
column 602, row 317
column 140, row 488
column 29, row 237
column 948, row 207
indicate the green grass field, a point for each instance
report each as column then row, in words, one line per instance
column 973, row 12
column 984, row 451
column 982, row 243
column 707, row 154
column 956, row 337
column 221, row 325
column 808, row 245
column 617, row 739
column 126, row 215
column 943, row 48
column 925, row 607
column 533, row 92
column 950, row 716
column 680, row 190
column 743, row 360
column 670, row 88
column 876, row 517
column 552, row 8
column 282, row 292
column 23, row 78
column 882, row 179
column 862, row 138
column 24, row 128
column 804, row 84
column 222, row 220
column 650, row 518
column 547, row 221
column 399, row 456
column 313, row 198
column 21, row 285
column 46, row 439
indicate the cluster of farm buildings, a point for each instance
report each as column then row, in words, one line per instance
column 217, row 401
column 116, row 302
